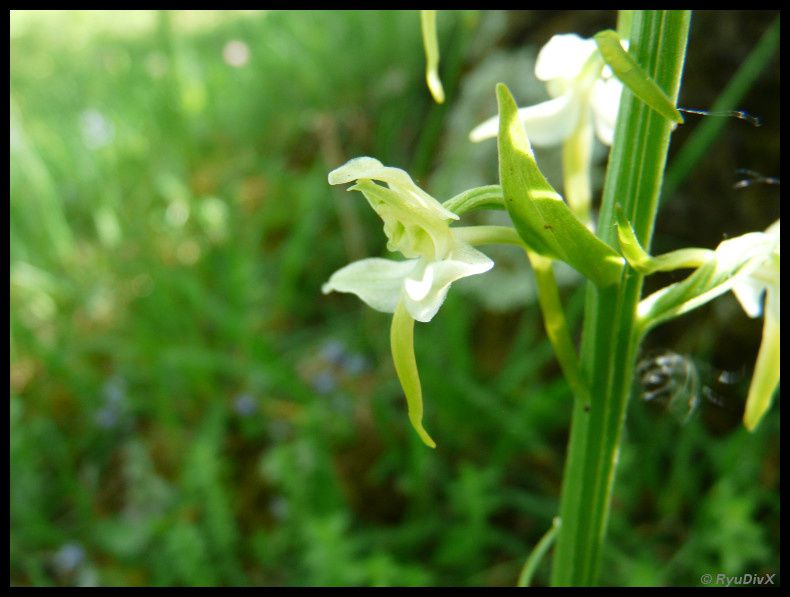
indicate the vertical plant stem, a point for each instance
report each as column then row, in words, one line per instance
column 609, row 343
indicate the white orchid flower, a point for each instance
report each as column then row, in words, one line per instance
column 749, row 266
column 749, row 291
column 585, row 97
column 418, row 227
column 579, row 83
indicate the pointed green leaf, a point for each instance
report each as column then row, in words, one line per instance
column 633, row 76
column 402, row 345
column 542, row 218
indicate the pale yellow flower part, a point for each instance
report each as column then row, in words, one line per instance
column 418, row 227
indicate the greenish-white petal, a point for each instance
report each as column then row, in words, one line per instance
column 378, row 282
column 563, row 56
column 605, row 102
column 546, row 123
column 765, row 378
column 398, row 180
column 749, row 293
column 426, row 287
column 402, row 345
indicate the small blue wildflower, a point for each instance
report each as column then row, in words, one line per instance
column 323, row 382
column 333, row 351
column 114, row 389
column 355, row 364
column 279, row 507
column 68, row 558
column 245, row 405
column 107, row 417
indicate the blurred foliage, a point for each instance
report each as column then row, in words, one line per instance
column 186, row 407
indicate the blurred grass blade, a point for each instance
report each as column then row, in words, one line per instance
column 431, row 43
column 633, row 76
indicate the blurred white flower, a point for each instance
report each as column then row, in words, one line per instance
column 96, row 130
column 236, row 53
column 580, row 85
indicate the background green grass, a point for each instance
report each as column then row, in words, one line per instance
column 187, row 408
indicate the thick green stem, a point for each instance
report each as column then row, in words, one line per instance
column 609, row 344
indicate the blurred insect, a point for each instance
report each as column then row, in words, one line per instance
column 671, row 380
column 740, row 114
column 753, row 178
column 675, row 383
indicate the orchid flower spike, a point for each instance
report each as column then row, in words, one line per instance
column 585, row 97
column 418, row 227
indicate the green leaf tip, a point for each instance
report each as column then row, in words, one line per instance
column 402, row 345
column 545, row 222
column 633, row 252
column 634, row 76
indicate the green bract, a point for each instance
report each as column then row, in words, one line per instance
column 641, row 261
column 542, row 218
column 633, row 76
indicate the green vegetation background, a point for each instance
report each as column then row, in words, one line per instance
column 187, row 408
